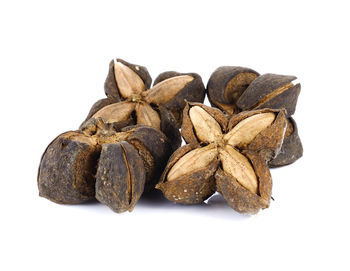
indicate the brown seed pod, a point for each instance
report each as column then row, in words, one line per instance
column 67, row 169
column 291, row 150
column 129, row 84
column 271, row 91
column 120, row 177
column 130, row 160
column 226, row 85
column 234, row 152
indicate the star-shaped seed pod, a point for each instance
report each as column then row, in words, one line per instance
column 132, row 101
column 235, row 89
column 115, row 167
column 229, row 155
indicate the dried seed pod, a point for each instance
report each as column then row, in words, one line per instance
column 292, row 148
column 226, row 85
column 120, row 177
column 129, row 84
column 67, row 169
column 271, row 91
column 130, row 160
column 234, row 152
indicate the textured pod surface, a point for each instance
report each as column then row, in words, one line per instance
column 271, row 91
column 120, row 177
column 154, row 147
column 237, row 196
column 291, row 150
column 192, row 187
column 194, row 91
column 67, row 169
column 226, row 84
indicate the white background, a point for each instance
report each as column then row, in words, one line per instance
column 54, row 57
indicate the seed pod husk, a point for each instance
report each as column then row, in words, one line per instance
column 291, row 150
column 271, row 91
column 226, row 85
column 67, row 169
column 120, row 177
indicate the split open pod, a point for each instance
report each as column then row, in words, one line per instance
column 134, row 101
column 227, row 155
column 235, row 89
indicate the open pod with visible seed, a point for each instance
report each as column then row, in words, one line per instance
column 115, row 167
column 237, row 89
column 225, row 153
column 226, row 85
column 131, row 100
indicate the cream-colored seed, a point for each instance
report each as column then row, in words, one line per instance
column 246, row 130
column 166, row 90
column 115, row 112
column 206, row 127
column 147, row 116
column 193, row 161
column 127, row 80
column 238, row 166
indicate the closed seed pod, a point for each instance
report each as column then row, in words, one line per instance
column 67, row 169
column 291, row 150
column 120, row 177
column 226, row 85
column 271, row 91
column 130, row 160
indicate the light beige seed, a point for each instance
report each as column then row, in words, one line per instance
column 238, row 166
column 127, row 80
column 246, row 130
column 166, row 90
column 206, row 127
column 115, row 112
column 146, row 115
column 192, row 161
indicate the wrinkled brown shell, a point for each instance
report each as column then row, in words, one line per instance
column 192, row 92
column 111, row 86
column 120, row 177
column 187, row 129
column 154, row 142
column 291, row 150
column 67, row 169
column 266, row 84
column 267, row 143
column 222, row 93
column 241, row 199
column 192, row 188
